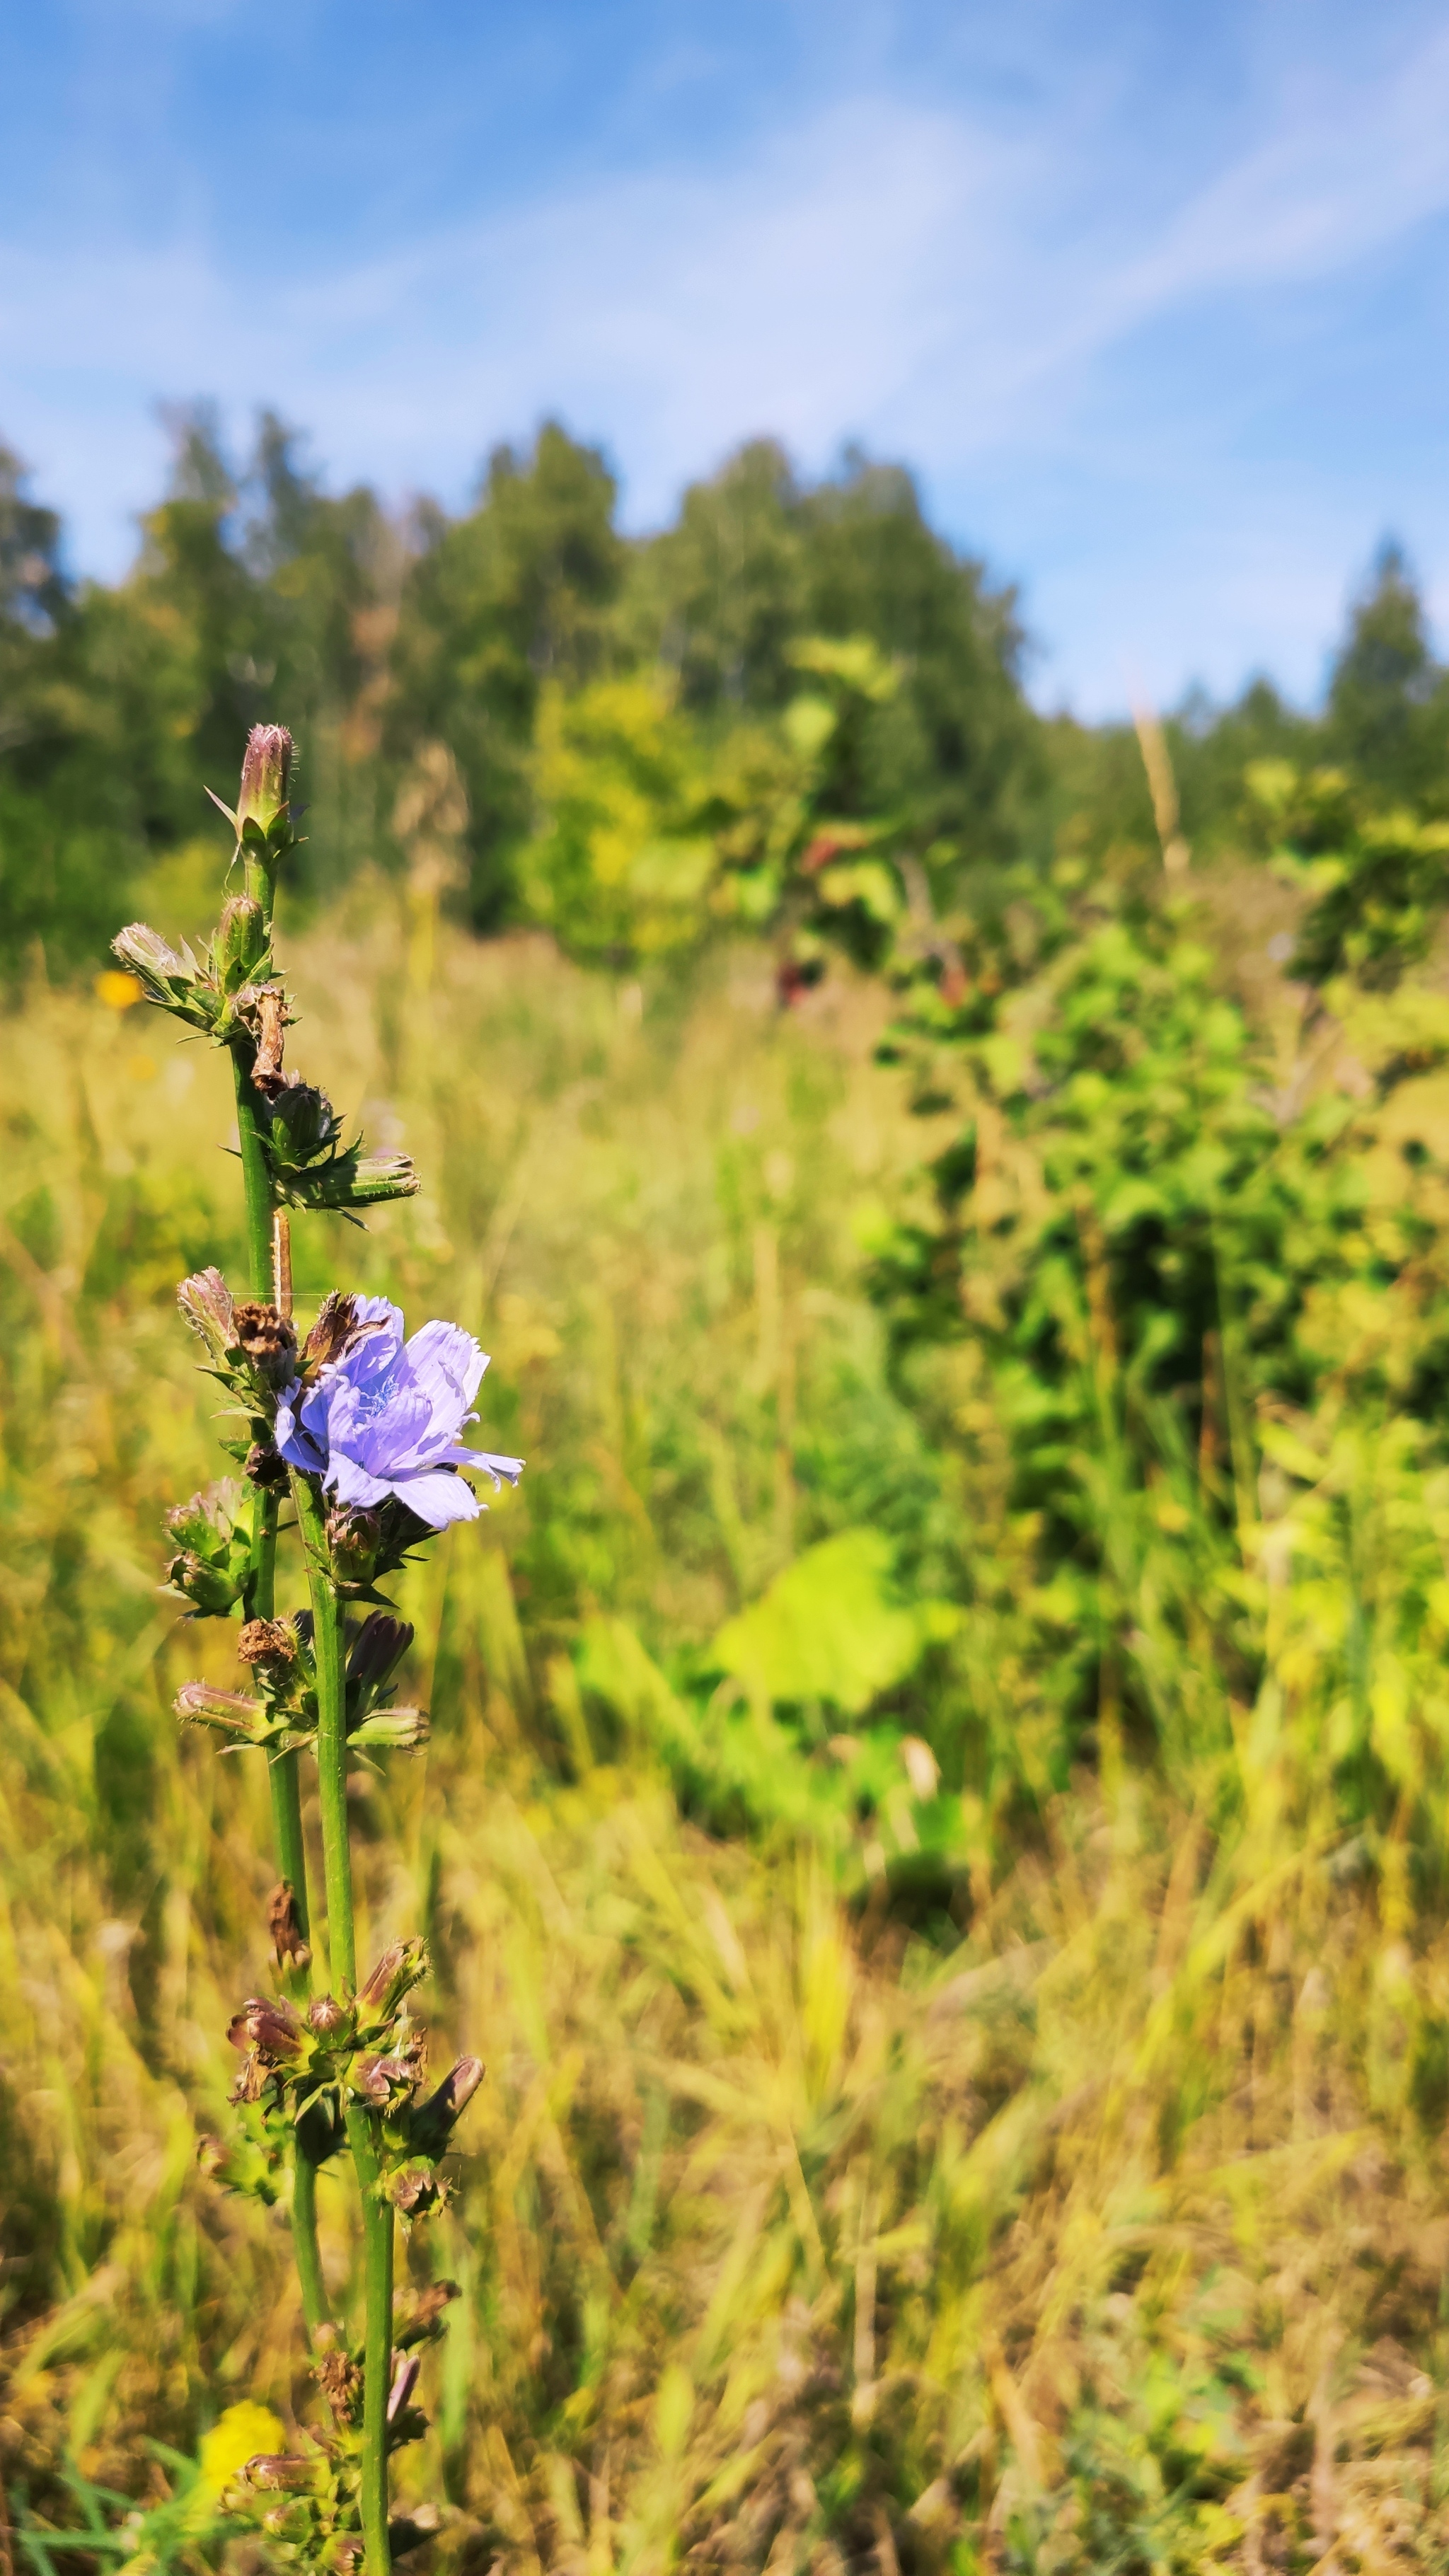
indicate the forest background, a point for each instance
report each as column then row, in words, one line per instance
column 937, row 1793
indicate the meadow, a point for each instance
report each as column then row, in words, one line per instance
column 966, row 2014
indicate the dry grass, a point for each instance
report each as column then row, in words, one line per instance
column 791, row 2236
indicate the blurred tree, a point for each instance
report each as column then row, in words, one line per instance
column 1388, row 699
column 496, row 604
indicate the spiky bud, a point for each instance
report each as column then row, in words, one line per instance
column 241, row 942
column 266, row 779
column 270, row 2028
column 326, row 2016
column 266, row 1467
column 207, row 1303
column 402, row 1966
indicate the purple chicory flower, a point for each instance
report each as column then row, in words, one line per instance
column 384, row 1417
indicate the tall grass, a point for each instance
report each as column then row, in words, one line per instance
column 1083, row 2211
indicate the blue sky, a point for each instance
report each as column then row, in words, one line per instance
column 1154, row 299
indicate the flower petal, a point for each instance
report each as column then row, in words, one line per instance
column 438, row 1499
column 504, row 1471
column 443, row 1355
column 352, row 1484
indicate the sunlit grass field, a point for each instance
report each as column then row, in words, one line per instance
column 895, row 2155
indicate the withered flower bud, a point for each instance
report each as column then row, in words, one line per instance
column 263, row 1010
column 415, row 2191
column 326, row 2015
column 402, row 1966
column 339, row 2377
column 251, row 2082
column 380, row 2081
column 432, row 2124
column 284, row 1926
column 241, row 942
column 206, row 1302
column 268, row 1643
column 421, row 2320
column 266, row 779
column 353, row 1539
column 336, row 1323
column 266, row 1467
column 271, row 2028
column 269, row 1342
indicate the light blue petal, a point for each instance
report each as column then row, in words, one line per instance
column 438, row 1499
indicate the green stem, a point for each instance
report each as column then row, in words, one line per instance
column 315, row 2308
column 331, row 1733
column 377, row 2216
column 377, row 2237
column 256, row 1180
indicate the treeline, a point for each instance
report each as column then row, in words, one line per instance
column 565, row 723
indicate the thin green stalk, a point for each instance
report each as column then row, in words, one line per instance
column 283, row 1778
column 377, row 2216
column 377, row 2237
column 331, row 1734
column 256, row 1180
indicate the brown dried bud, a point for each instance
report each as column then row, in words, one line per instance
column 285, row 1927
column 268, row 1341
column 269, row 1643
column 416, row 2191
column 271, row 1026
column 326, row 2015
column 336, row 1323
column 251, row 2082
column 421, row 2321
column 266, row 1467
column 266, row 779
column 339, row 2377
column 353, row 1539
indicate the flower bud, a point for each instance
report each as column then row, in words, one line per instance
column 405, row 2380
column 170, row 978
column 432, row 2124
column 241, row 942
column 353, row 1539
column 209, row 1589
column 394, row 1730
column 206, row 1302
column 304, row 1124
column 197, row 1704
column 285, row 1927
column 402, row 1966
column 326, row 2016
column 270, row 1645
column 268, row 1341
column 377, row 1650
column 266, row 779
